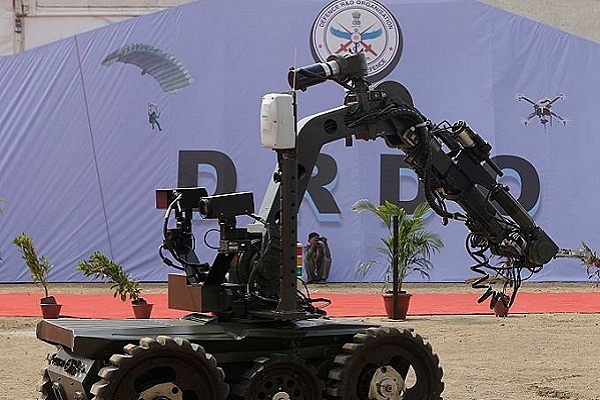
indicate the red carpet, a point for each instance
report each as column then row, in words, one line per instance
column 342, row 305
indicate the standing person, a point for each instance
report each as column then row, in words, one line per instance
column 317, row 258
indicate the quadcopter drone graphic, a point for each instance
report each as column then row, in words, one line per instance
column 542, row 110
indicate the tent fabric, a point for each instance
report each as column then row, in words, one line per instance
column 80, row 161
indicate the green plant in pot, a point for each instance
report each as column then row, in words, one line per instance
column 416, row 244
column 100, row 266
column 39, row 268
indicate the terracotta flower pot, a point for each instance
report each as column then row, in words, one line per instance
column 141, row 310
column 402, row 303
column 500, row 310
column 50, row 309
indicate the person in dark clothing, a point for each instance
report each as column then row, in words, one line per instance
column 317, row 259
column 153, row 115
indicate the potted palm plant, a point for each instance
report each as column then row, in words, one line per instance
column 39, row 268
column 124, row 286
column 414, row 248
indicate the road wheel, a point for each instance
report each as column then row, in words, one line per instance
column 279, row 378
column 161, row 369
column 386, row 364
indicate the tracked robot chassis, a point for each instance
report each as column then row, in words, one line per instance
column 200, row 358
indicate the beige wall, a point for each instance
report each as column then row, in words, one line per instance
column 580, row 17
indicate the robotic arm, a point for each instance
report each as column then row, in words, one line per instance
column 452, row 161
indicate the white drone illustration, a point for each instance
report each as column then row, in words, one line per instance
column 543, row 109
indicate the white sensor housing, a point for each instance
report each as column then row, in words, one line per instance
column 277, row 121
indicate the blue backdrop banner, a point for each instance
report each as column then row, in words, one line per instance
column 91, row 125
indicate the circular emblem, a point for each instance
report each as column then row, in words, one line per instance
column 358, row 26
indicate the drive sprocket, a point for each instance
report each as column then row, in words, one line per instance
column 164, row 368
column 278, row 378
column 386, row 364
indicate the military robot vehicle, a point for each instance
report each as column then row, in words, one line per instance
column 251, row 333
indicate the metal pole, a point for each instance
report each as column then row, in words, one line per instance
column 288, row 192
column 289, row 226
column 395, row 266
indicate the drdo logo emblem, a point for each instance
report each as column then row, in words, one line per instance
column 358, row 26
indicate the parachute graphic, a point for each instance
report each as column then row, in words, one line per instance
column 169, row 72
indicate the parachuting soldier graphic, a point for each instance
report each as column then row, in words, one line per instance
column 153, row 115
column 168, row 72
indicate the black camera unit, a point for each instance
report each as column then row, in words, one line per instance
column 225, row 208
column 188, row 198
column 227, row 205
column 179, row 240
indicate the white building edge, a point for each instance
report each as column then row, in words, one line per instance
column 25, row 24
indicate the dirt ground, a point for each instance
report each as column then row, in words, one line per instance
column 521, row 357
